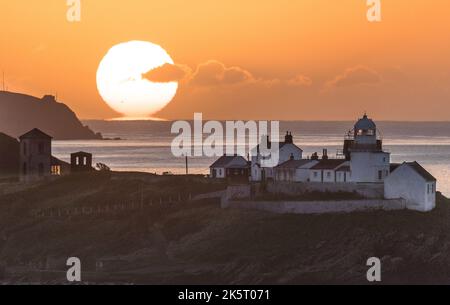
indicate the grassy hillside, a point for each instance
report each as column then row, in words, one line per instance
column 198, row 243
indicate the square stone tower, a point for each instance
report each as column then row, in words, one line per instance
column 35, row 155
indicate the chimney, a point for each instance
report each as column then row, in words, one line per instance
column 315, row 156
column 288, row 139
column 325, row 154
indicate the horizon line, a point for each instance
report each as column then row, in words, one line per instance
column 245, row 120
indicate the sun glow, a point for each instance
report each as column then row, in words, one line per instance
column 122, row 86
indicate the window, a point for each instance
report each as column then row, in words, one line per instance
column 428, row 188
column 433, row 188
column 380, row 175
column 56, row 170
column 328, row 174
column 315, row 174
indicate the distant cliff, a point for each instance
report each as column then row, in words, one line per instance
column 20, row 113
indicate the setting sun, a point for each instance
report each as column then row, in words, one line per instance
column 121, row 82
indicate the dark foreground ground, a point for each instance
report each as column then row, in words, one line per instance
column 198, row 243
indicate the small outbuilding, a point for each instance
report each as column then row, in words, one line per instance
column 326, row 171
column 230, row 167
column 410, row 181
column 81, row 162
column 60, row 167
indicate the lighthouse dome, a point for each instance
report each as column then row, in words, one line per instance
column 365, row 124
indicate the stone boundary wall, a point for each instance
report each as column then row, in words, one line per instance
column 319, row 207
column 368, row 190
column 213, row 195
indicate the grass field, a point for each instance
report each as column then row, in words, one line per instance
column 199, row 243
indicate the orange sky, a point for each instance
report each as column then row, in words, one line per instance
column 291, row 59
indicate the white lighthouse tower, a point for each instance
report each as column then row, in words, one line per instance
column 368, row 162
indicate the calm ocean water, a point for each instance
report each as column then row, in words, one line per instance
column 145, row 145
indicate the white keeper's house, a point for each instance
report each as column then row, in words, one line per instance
column 287, row 151
column 412, row 182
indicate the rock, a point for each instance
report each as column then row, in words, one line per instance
column 20, row 113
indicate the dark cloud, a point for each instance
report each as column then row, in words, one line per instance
column 168, row 73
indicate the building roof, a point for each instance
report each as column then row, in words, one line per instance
column 56, row 161
column 421, row 171
column 294, row 163
column 35, row 134
column 81, row 153
column 345, row 168
column 288, row 140
column 5, row 137
column 394, row 166
column 224, row 162
column 365, row 124
column 280, row 145
column 329, row 164
column 237, row 166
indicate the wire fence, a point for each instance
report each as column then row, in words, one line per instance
column 123, row 207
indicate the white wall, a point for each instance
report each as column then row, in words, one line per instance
column 406, row 183
column 299, row 174
column 365, row 166
column 285, row 154
column 342, row 177
column 315, row 175
column 368, row 190
column 302, row 174
column 319, row 207
column 328, row 176
column 289, row 150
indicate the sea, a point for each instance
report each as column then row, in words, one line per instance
column 146, row 145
